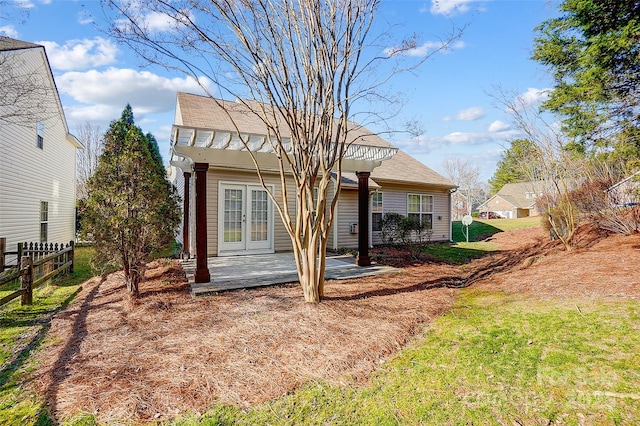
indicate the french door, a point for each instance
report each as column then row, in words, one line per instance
column 245, row 219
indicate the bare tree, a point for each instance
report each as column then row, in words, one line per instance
column 554, row 170
column 467, row 177
column 92, row 138
column 302, row 65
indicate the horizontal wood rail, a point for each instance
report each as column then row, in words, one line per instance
column 32, row 274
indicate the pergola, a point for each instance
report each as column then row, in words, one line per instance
column 194, row 150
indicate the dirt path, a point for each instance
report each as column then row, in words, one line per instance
column 170, row 353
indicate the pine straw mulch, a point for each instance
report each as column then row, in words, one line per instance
column 168, row 353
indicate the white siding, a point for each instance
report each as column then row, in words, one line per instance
column 29, row 175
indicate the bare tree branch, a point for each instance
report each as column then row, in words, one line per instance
column 299, row 66
column 92, row 138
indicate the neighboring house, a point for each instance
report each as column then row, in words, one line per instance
column 514, row 200
column 239, row 216
column 626, row 192
column 37, row 153
column 459, row 205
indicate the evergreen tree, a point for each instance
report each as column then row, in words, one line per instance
column 132, row 210
column 592, row 49
column 509, row 168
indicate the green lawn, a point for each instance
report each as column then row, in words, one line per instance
column 494, row 359
column 483, row 228
column 22, row 329
column 461, row 251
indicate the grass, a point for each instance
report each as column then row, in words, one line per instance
column 22, row 329
column 494, row 359
column 483, row 228
column 461, row 251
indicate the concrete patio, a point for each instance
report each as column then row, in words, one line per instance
column 240, row 272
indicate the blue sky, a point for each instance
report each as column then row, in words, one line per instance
column 451, row 94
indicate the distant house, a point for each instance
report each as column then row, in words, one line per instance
column 37, row 152
column 513, row 201
column 459, row 205
column 626, row 192
column 205, row 144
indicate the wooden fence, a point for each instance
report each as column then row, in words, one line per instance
column 39, row 263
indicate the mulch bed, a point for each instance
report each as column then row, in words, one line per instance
column 168, row 353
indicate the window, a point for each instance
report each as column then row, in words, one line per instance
column 40, row 134
column 376, row 211
column 421, row 207
column 44, row 221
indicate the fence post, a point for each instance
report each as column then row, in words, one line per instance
column 3, row 248
column 72, row 255
column 26, row 280
column 19, row 254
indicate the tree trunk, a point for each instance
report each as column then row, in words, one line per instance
column 132, row 283
column 311, row 271
column 132, row 275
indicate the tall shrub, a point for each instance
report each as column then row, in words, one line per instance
column 131, row 210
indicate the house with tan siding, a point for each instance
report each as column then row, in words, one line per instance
column 515, row 200
column 240, row 217
column 37, row 152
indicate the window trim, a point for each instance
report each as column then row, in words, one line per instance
column 40, row 134
column 44, row 221
column 420, row 213
column 380, row 205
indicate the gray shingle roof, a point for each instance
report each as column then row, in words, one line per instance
column 516, row 194
column 7, row 44
column 205, row 113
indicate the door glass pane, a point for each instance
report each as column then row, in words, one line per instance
column 232, row 215
column 259, row 215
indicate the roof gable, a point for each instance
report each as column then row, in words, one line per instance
column 521, row 195
column 8, row 44
column 403, row 168
column 204, row 112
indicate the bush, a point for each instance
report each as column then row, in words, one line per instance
column 405, row 231
column 390, row 228
column 414, row 235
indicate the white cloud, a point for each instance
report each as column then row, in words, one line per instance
column 424, row 144
column 499, row 126
column 24, row 4
column 105, row 93
column 9, row 31
column 81, row 54
column 534, row 96
column 84, row 18
column 469, row 114
column 450, row 7
column 466, row 138
column 424, row 49
column 159, row 22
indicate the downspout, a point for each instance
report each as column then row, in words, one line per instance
column 451, row 191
